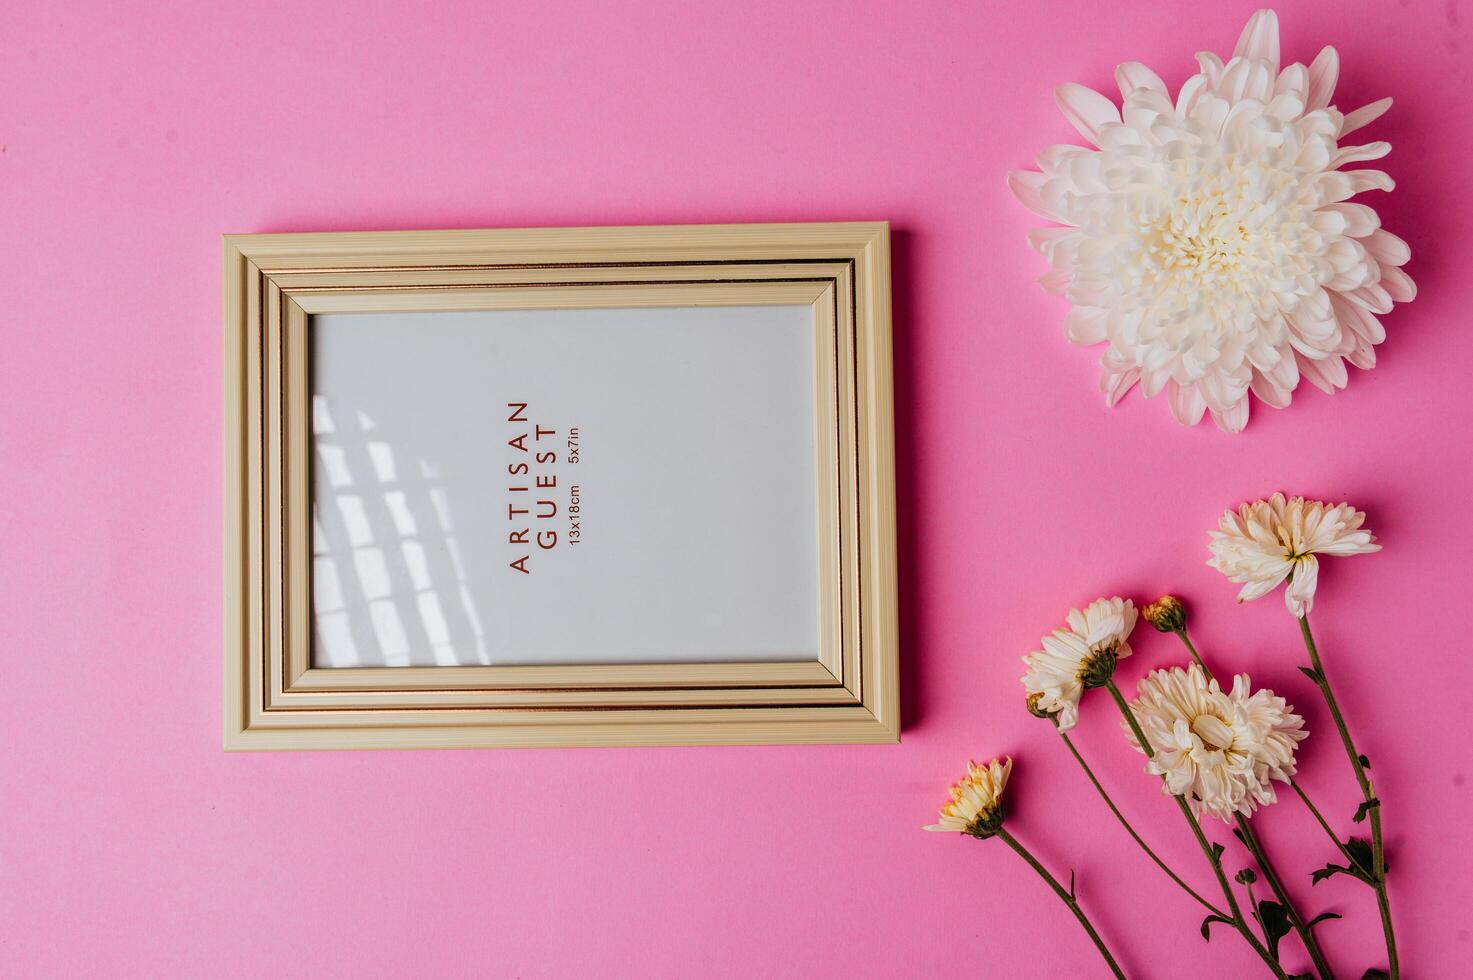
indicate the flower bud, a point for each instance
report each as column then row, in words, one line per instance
column 1167, row 614
column 1033, row 708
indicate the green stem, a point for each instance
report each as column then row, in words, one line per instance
column 1182, row 635
column 1064, row 896
column 1378, row 850
column 1255, row 847
column 1135, row 836
column 1236, row 921
column 1260, row 855
column 1253, row 904
column 1325, row 825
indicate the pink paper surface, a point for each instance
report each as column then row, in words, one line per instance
column 132, row 135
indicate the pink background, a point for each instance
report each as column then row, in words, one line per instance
column 133, row 134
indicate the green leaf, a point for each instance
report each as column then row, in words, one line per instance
column 1208, row 922
column 1241, row 839
column 1362, row 860
column 1245, row 877
column 1331, row 870
column 1275, row 920
column 1365, row 808
column 1365, row 763
column 1311, row 673
column 1375, row 973
column 1071, row 884
column 1217, row 850
column 1322, row 917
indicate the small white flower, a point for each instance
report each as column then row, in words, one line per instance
column 1219, row 750
column 1209, row 239
column 1266, row 541
column 1079, row 656
column 976, row 801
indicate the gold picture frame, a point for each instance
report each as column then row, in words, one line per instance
column 274, row 284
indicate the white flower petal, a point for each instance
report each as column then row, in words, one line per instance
column 1360, row 154
column 1260, row 39
column 1294, row 79
column 1327, row 374
column 1086, row 109
column 1191, row 90
column 1364, row 116
column 1085, row 325
column 1300, row 593
column 1116, row 385
column 1359, row 319
column 1027, row 186
column 1387, row 248
column 1211, row 67
column 1372, row 296
column 1398, row 285
column 1186, row 402
column 1233, row 418
column 1360, row 220
column 1324, row 74
column 1340, row 185
column 1271, row 394
column 1132, row 75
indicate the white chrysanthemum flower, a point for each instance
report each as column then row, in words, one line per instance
column 1209, row 240
column 1219, row 750
column 1266, row 541
column 1079, row 656
column 976, row 801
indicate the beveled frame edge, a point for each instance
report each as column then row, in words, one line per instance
column 866, row 244
column 833, row 678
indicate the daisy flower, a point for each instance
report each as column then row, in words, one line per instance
column 976, row 801
column 976, row 809
column 1221, row 750
column 1210, row 239
column 1082, row 655
column 1267, row 541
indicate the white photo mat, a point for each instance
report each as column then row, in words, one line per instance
column 564, row 486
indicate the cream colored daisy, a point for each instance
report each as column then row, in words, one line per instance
column 1221, row 750
column 1209, row 238
column 976, row 801
column 1079, row 656
column 1267, row 541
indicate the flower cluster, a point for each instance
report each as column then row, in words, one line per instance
column 1217, row 751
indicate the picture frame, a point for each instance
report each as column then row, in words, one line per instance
column 285, row 295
